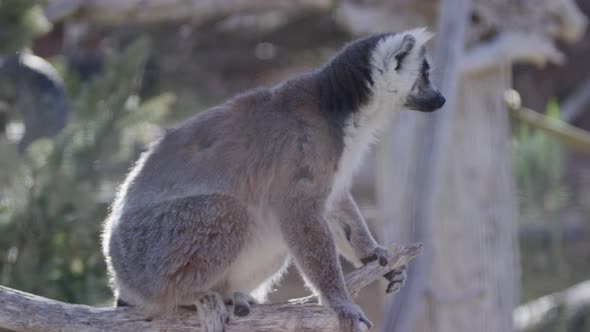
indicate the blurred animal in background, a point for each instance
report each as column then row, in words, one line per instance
column 32, row 89
column 215, row 210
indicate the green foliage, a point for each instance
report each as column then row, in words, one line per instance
column 20, row 22
column 52, row 208
column 538, row 164
column 538, row 167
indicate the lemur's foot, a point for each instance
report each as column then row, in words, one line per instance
column 212, row 312
column 396, row 278
column 242, row 303
column 350, row 317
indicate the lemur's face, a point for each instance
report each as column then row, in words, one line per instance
column 405, row 70
column 423, row 96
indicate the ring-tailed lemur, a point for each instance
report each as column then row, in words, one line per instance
column 224, row 201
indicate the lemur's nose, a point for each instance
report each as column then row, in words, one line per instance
column 439, row 101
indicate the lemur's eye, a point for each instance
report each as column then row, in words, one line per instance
column 425, row 66
column 425, row 69
column 399, row 58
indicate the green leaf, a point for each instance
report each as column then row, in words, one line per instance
column 552, row 109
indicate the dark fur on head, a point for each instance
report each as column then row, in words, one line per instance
column 344, row 83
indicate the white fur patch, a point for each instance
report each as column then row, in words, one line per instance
column 389, row 93
column 390, row 44
column 263, row 261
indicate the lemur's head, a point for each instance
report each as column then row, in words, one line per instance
column 379, row 73
column 400, row 67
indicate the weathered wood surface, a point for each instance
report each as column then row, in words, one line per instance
column 573, row 137
column 478, row 288
column 431, row 154
column 21, row 311
column 472, row 284
column 153, row 11
column 561, row 311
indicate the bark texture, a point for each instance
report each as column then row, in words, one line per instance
column 567, row 310
column 474, row 218
column 25, row 312
column 432, row 154
column 153, row 11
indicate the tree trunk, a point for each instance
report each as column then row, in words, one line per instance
column 476, row 217
column 459, row 190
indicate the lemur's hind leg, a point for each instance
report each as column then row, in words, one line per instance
column 242, row 303
column 192, row 242
column 212, row 312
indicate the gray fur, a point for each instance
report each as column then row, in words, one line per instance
column 226, row 200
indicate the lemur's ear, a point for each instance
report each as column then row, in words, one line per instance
column 399, row 55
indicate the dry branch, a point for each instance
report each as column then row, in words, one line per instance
column 509, row 48
column 553, row 312
column 152, row 11
column 565, row 133
column 21, row 311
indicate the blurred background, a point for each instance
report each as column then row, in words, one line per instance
column 496, row 185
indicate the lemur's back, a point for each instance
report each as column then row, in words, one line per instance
column 231, row 148
column 211, row 152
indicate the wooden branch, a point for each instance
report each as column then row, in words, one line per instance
column 556, row 19
column 565, row 133
column 509, row 48
column 152, row 11
column 21, row 311
column 554, row 312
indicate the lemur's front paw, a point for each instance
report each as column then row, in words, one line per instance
column 396, row 278
column 379, row 253
column 350, row 316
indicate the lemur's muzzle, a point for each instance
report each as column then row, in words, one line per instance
column 438, row 101
column 428, row 100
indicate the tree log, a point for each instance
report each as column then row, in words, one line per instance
column 153, row 11
column 561, row 311
column 452, row 29
column 21, row 311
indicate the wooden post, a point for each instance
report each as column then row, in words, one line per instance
column 436, row 134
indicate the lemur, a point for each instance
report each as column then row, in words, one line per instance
column 226, row 200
